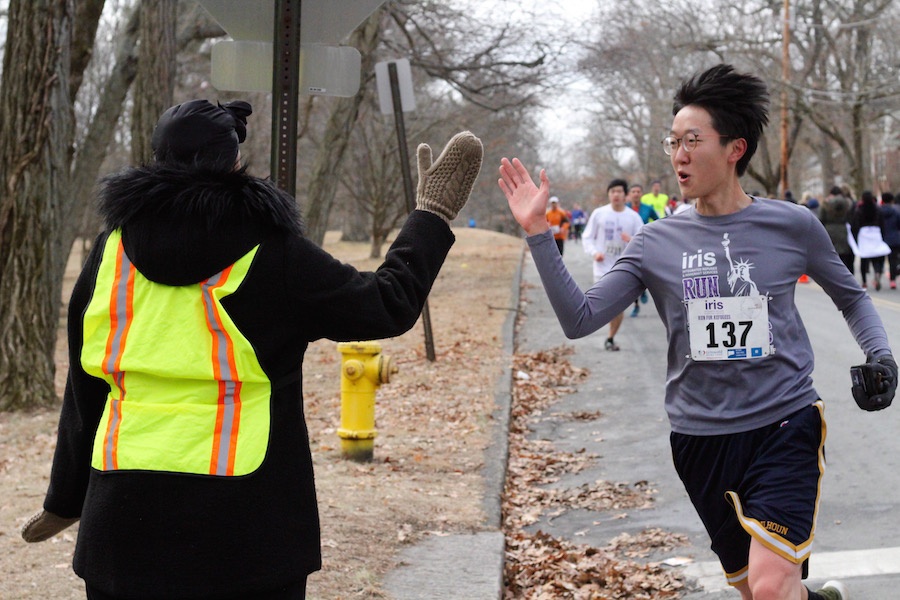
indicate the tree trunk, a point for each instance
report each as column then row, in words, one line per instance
column 377, row 242
column 86, row 167
column 155, row 83
column 84, row 31
column 768, row 176
column 355, row 225
column 825, row 152
column 324, row 177
column 859, row 166
column 35, row 139
column 87, row 163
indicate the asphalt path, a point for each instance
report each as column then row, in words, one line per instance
column 858, row 532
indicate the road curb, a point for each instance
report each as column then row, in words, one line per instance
column 470, row 565
column 496, row 455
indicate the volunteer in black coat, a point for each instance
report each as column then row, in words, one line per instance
column 187, row 216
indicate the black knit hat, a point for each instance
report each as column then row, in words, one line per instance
column 199, row 133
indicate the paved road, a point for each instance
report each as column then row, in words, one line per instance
column 858, row 537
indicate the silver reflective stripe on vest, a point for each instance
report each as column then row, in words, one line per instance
column 115, row 352
column 226, row 377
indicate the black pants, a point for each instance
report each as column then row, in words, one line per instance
column 561, row 244
column 877, row 264
column 849, row 259
column 894, row 263
column 295, row 591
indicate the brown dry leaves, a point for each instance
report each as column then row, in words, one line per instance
column 549, row 568
column 539, row 566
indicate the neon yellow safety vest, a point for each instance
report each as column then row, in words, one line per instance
column 187, row 393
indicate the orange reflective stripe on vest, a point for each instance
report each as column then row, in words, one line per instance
column 187, row 392
column 120, row 311
column 228, row 416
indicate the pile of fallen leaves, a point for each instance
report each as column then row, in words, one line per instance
column 539, row 566
column 549, row 568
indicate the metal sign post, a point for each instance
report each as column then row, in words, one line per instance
column 397, row 106
column 243, row 64
column 285, row 94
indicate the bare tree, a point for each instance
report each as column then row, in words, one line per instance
column 635, row 64
column 154, row 86
column 105, row 104
column 35, row 138
column 91, row 149
column 855, row 82
column 493, row 64
column 324, row 177
column 84, row 30
column 46, row 177
column 842, row 75
column 372, row 181
column 490, row 67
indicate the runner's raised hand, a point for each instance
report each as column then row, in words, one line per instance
column 527, row 202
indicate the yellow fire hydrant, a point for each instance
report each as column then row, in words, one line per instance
column 363, row 369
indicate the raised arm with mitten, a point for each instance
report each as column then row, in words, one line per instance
column 445, row 185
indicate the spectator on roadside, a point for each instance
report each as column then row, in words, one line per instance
column 848, row 193
column 835, row 213
column 671, row 206
column 810, row 202
column 182, row 445
column 645, row 211
column 686, row 205
column 867, row 228
column 891, row 215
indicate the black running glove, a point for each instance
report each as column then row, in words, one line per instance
column 874, row 383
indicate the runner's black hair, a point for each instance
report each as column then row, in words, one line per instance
column 737, row 102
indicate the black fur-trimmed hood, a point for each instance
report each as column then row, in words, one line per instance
column 181, row 226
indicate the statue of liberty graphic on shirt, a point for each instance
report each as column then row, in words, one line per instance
column 739, row 274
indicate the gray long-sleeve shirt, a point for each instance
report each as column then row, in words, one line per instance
column 689, row 260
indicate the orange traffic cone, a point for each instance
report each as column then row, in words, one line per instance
column 803, row 279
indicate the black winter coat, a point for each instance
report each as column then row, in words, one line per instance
column 168, row 535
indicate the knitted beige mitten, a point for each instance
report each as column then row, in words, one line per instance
column 44, row 525
column 444, row 186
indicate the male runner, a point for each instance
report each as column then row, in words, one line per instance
column 608, row 229
column 747, row 426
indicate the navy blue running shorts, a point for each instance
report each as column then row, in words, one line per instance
column 762, row 484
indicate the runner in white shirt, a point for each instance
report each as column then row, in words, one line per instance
column 608, row 230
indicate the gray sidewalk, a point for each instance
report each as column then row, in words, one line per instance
column 469, row 567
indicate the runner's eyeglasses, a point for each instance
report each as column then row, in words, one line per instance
column 689, row 141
